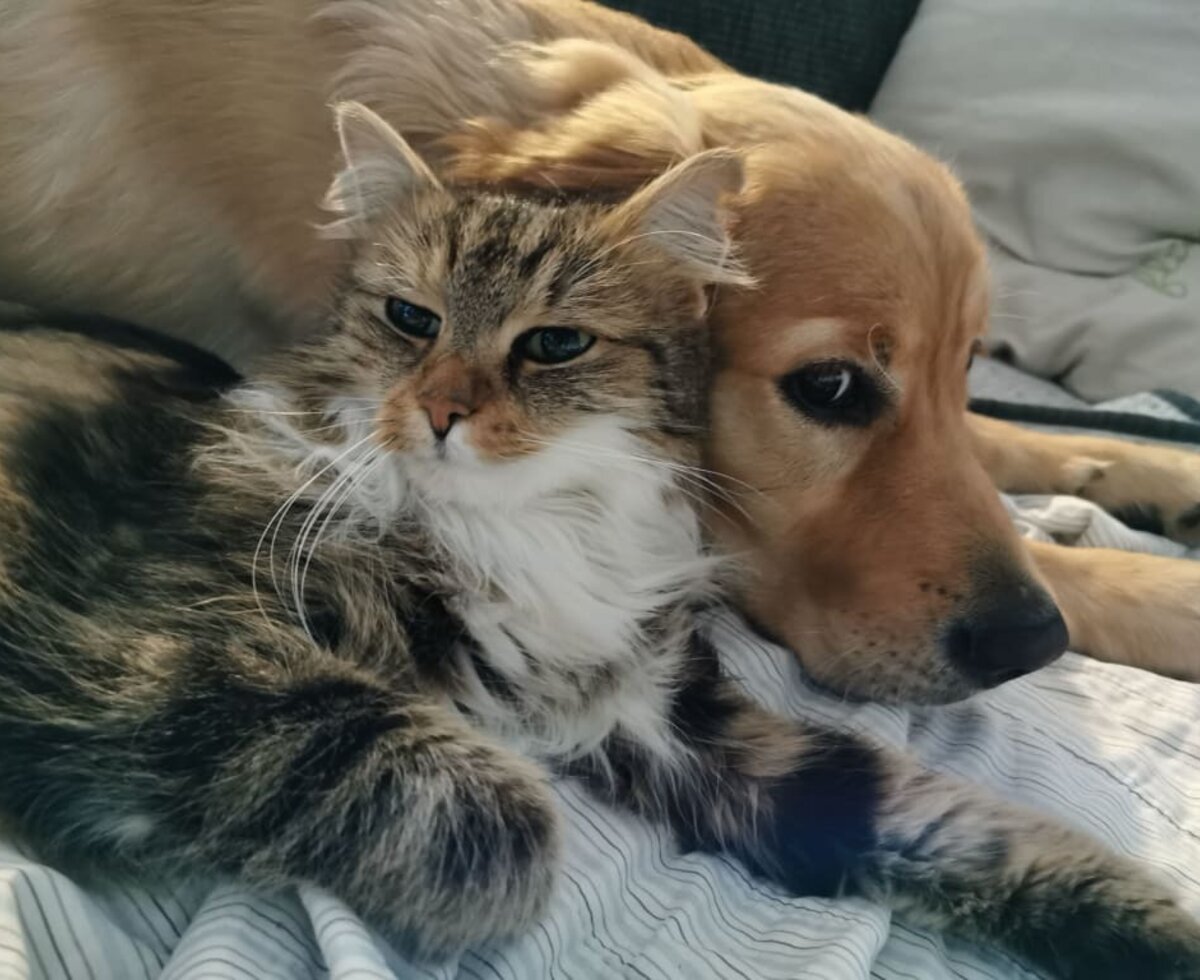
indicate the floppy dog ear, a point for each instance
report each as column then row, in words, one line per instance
column 606, row 120
column 681, row 213
column 600, row 118
column 379, row 171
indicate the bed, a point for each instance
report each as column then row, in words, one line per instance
column 1113, row 750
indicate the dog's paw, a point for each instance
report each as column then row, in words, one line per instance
column 1126, row 607
column 1155, row 613
column 1151, row 488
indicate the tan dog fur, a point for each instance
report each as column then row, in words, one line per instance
column 162, row 164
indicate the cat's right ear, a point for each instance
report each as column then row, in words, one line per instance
column 379, row 172
column 682, row 213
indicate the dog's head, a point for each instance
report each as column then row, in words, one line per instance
column 878, row 548
column 873, row 543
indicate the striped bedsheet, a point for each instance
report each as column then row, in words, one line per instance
column 1113, row 750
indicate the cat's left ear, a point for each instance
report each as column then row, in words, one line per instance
column 683, row 215
column 379, row 171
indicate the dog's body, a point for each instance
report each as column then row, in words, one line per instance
column 876, row 545
column 196, row 217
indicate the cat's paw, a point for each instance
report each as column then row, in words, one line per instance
column 1151, row 488
column 1165, row 945
column 1137, row 930
column 483, row 861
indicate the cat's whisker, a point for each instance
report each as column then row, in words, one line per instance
column 695, row 474
column 693, row 489
column 344, row 402
column 633, row 464
column 342, row 416
column 272, row 529
column 705, row 480
column 357, row 476
column 340, row 426
column 297, row 549
column 342, row 419
column 329, row 500
column 290, row 413
column 274, row 525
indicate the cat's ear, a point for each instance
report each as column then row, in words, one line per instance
column 682, row 214
column 379, row 171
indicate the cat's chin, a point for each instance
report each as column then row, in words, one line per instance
column 441, row 476
column 581, row 460
column 452, row 472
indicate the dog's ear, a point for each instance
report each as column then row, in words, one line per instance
column 600, row 119
column 379, row 171
column 492, row 152
column 682, row 213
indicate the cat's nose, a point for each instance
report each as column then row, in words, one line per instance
column 443, row 413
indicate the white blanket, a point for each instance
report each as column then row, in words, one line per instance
column 1112, row 750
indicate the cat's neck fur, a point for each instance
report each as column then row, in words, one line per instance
column 569, row 568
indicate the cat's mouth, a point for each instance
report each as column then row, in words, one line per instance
column 449, row 449
column 451, row 467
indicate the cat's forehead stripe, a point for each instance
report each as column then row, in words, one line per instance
column 531, row 261
column 572, row 268
column 504, row 247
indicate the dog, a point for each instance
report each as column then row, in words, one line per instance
column 162, row 164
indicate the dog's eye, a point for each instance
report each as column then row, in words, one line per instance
column 833, row 393
column 553, row 345
column 408, row 318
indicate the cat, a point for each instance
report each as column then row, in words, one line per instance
column 343, row 623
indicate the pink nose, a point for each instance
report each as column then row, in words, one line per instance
column 443, row 413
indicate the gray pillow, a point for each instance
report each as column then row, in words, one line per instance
column 1075, row 125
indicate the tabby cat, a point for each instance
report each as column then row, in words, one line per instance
column 341, row 624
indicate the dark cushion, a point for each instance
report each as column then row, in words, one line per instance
column 838, row 49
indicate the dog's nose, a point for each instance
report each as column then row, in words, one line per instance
column 1012, row 636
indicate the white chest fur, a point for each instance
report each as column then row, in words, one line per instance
column 556, row 586
column 557, row 561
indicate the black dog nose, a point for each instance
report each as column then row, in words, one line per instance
column 1012, row 636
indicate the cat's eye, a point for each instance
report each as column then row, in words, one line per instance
column 833, row 393
column 408, row 318
column 553, row 345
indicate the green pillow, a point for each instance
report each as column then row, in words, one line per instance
column 838, row 49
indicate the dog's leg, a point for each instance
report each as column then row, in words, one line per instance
column 1151, row 487
column 1125, row 607
column 1119, row 606
column 825, row 812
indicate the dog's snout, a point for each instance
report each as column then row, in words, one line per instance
column 1014, row 634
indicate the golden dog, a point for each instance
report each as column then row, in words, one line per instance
column 161, row 163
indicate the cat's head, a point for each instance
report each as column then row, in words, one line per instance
column 484, row 331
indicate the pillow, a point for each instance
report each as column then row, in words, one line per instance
column 838, row 49
column 1075, row 125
